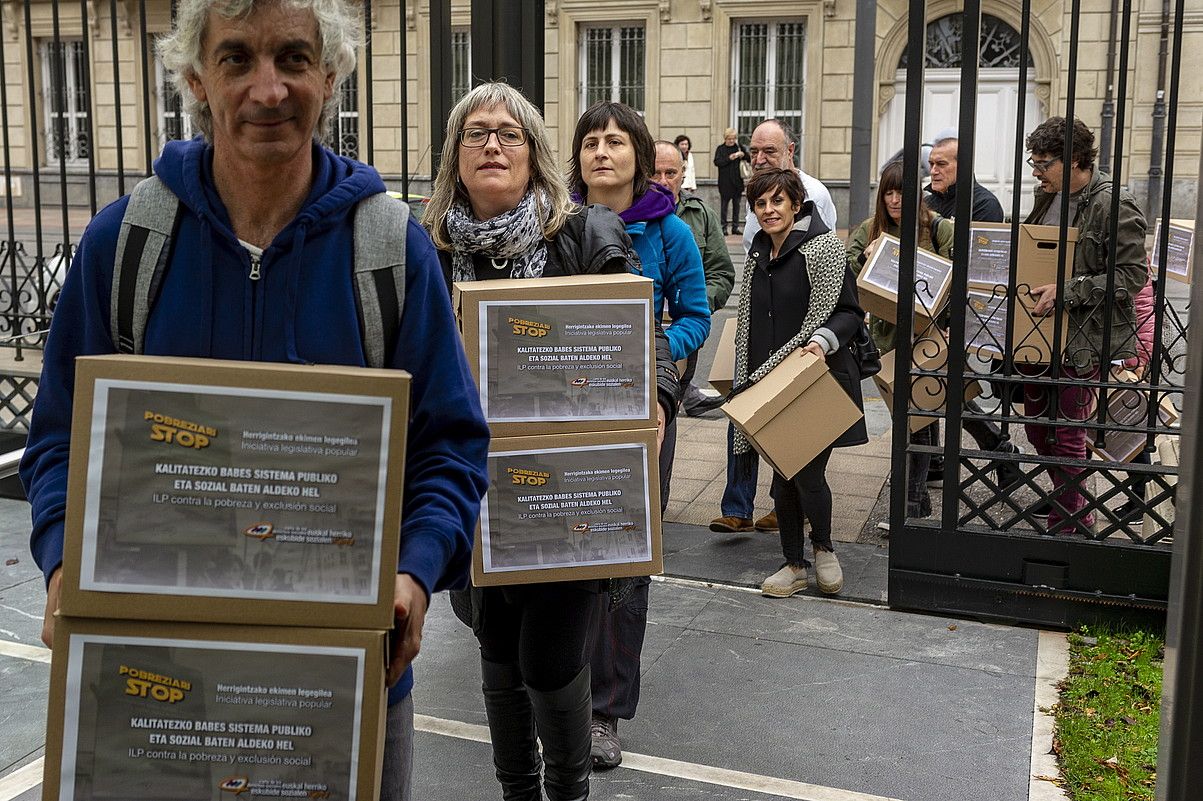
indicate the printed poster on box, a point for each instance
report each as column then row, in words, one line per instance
column 222, row 500
column 564, row 360
column 156, row 712
column 878, row 281
column 570, row 506
column 1180, row 249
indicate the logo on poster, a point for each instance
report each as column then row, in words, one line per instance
column 528, row 328
column 527, row 478
column 260, row 531
column 235, row 785
column 144, row 684
column 184, row 433
column 580, row 382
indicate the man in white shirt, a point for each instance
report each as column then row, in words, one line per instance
column 772, row 146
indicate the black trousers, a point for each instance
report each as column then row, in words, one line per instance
column 545, row 629
column 805, row 494
column 733, row 199
column 614, row 665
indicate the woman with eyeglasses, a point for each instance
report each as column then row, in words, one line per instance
column 500, row 209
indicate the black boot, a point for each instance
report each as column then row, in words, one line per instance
column 512, row 729
column 563, row 718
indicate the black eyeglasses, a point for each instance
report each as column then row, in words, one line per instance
column 479, row 137
column 1042, row 166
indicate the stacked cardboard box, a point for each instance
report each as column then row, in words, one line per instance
column 1180, row 250
column 231, row 543
column 989, row 296
column 566, row 370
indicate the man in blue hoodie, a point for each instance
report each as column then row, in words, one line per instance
column 261, row 270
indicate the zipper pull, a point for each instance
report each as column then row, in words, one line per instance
column 254, row 267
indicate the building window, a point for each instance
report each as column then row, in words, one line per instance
column 174, row 122
column 999, row 45
column 65, row 100
column 344, row 138
column 768, row 70
column 612, row 65
column 461, row 63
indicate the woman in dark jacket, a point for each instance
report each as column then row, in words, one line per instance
column 500, row 209
column 728, row 157
column 798, row 293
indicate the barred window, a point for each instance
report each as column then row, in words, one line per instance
column 612, row 65
column 344, row 138
column 768, row 74
column 174, row 122
column 65, row 101
column 461, row 63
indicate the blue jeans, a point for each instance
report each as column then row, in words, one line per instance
column 739, row 498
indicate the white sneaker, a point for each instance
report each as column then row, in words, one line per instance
column 828, row 573
column 785, row 582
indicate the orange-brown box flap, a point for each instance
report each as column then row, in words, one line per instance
column 1039, row 245
column 794, row 412
column 722, row 369
column 216, row 710
column 561, row 327
column 764, row 400
column 592, row 506
column 152, row 534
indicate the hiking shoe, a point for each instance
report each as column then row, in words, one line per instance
column 605, row 748
column 1009, row 473
column 785, row 582
column 1131, row 513
column 731, row 525
column 1040, row 511
column 828, row 573
column 767, row 523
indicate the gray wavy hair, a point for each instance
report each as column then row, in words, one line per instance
column 545, row 174
column 340, row 30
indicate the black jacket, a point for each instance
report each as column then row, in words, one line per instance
column 593, row 241
column 730, row 180
column 986, row 207
column 780, row 298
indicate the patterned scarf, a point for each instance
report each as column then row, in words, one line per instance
column 826, row 263
column 513, row 239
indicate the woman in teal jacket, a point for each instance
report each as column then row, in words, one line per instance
column 613, row 158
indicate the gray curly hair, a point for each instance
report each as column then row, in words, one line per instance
column 340, row 29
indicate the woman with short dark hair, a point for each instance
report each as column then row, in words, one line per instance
column 798, row 294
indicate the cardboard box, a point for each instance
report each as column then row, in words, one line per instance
column 570, row 506
column 1039, row 246
column 877, row 284
column 986, row 326
column 160, row 711
column 928, row 393
column 234, row 492
column 554, row 355
column 1127, row 412
column 794, row 412
column 722, row 369
column 1180, row 254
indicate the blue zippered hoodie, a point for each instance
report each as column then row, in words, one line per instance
column 670, row 257
column 302, row 309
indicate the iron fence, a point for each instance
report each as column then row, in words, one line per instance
column 1061, row 435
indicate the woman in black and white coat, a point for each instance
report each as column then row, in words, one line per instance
column 798, row 293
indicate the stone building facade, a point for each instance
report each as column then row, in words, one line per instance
column 690, row 66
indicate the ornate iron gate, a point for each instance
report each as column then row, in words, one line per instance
column 1059, row 533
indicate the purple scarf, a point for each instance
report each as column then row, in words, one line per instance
column 655, row 203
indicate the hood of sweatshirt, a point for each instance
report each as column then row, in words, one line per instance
column 654, row 204
column 257, row 319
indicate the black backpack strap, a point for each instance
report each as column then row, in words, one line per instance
column 143, row 251
column 379, row 264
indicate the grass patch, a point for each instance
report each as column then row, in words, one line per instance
column 1109, row 715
